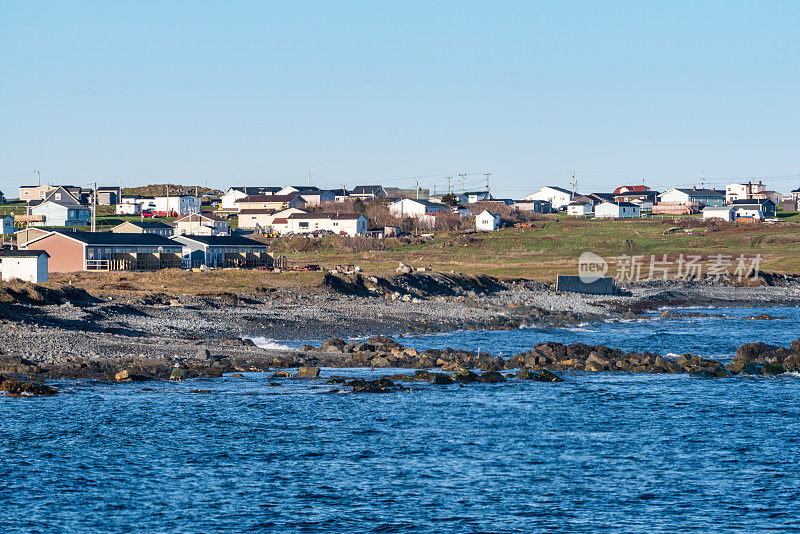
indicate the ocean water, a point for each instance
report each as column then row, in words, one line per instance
column 705, row 336
column 599, row 452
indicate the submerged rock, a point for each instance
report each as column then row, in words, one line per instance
column 17, row 386
column 307, row 372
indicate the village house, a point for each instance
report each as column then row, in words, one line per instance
column 351, row 224
column 228, row 200
column 626, row 189
column 201, row 224
column 341, row 195
column 89, row 251
column 263, row 218
column 274, row 202
column 535, row 206
column 26, row 265
column 707, row 197
column 616, row 210
column 582, row 206
column 144, row 227
column 108, row 196
column 644, row 199
column 297, row 189
column 472, row 198
column 487, row 221
column 742, row 191
column 726, row 213
column 758, row 209
column 128, row 208
column 414, row 208
column 315, row 198
column 177, row 204
column 368, row 192
column 59, row 208
column 223, row 251
column 34, row 192
column 558, row 197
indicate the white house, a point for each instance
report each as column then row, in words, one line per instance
column 128, row 208
column 580, row 208
column 414, row 208
column 726, row 213
column 616, row 210
column 558, row 197
column 298, row 189
column 743, row 191
column 180, row 204
column 201, row 224
column 8, row 225
column 25, row 265
column 351, row 224
column 709, row 197
column 486, row 220
column 228, row 200
column 315, row 198
column 748, row 211
column 472, row 198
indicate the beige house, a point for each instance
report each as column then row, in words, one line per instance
column 263, row 218
column 201, row 224
column 273, row 202
column 34, row 192
column 144, row 227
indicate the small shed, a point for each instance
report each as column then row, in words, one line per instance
column 726, row 213
column 486, row 220
column 26, row 265
column 8, row 225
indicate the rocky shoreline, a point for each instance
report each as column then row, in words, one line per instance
column 50, row 334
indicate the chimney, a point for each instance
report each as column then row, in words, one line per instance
column 694, row 188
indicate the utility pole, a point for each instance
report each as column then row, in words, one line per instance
column 448, row 184
column 39, row 178
column 417, row 186
column 574, row 186
column 94, row 208
column 309, row 178
column 488, row 174
column 701, row 180
column 462, row 175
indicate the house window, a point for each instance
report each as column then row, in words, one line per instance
column 58, row 196
column 303, row 225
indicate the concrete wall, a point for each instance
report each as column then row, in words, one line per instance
column 603, row 286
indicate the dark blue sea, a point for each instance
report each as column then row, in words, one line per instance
column 599, row 452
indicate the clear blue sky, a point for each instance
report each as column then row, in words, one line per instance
column 376, row 92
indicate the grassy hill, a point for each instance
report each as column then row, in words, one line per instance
column 174, row 189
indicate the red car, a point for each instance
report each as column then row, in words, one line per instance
column 147, row 214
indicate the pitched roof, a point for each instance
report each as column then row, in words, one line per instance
column 753, row 201
column 257, row 190
column 223, row 240
column 268, row 198
column 366, row 189
column 332, row 216
column 303, row 188
column 198, row 217
column 264, row 211
column 701, row 192
column 602, row 196
column 121, row 239
column 23, row 254
column 631, row 189
column 622, row 204
column 147, row 224
column 559, row 189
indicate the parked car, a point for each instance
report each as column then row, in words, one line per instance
column 147, row 214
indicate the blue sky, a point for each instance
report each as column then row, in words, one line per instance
column 245, row 93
